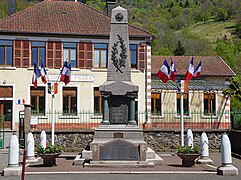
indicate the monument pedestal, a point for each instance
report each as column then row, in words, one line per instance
column 118, row 143
column 119, row 146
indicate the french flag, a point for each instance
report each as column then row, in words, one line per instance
column 36, row 75
column 66, row 73
column 190, row 70
column 43, row 73
column 197, row 70
column 164, row 72
column 173, row 71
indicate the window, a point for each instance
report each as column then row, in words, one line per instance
column 70, row 100
column 38, row 52
column 209, row 104
column 156, row 103
column 38, row 100
column 70, row 53
column 97, row 100
column 6, row 53
column 133, row 56
column 100, row 60
column 185, row 103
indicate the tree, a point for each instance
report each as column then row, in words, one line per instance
column 226, row 50
column 222, row 15
column 187, row 4
column 234, row 91
column 238, row 29
column 179, row 50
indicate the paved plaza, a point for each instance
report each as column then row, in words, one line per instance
column 172, row 166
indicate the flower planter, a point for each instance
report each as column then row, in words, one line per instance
column 188, row 159
column 49, row 159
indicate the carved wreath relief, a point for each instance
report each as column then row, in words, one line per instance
column 119, row 17
column 121, row 61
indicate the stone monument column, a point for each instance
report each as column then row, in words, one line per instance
column 132, row 120
column 119, row 141
column 105, row 109
column 118, row 91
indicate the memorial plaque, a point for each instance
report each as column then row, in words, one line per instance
column 118, row 113
column 109, row 151
column 119, row 150
column 127, row 151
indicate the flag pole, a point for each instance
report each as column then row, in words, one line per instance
column 52, row 131
column 182, row 113
column 182, row 121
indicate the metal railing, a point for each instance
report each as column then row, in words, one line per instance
column 87, row 120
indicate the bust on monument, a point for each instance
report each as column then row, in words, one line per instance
column 118, row 91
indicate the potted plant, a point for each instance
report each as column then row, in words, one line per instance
column 49, row 154
column 188, row 154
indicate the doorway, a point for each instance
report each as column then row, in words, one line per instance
column 6, row 109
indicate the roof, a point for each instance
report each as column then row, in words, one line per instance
column 211, row 65
column 201, row 85
column 62, row 17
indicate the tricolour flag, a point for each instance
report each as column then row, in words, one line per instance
column 43, row 73
column 66, row 73
column 197, row 70
column 190, row 70
column 36, row 75
column 173, row 71
column 164, row 72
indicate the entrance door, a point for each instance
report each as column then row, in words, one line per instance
column 6, row 109
column 6, row 104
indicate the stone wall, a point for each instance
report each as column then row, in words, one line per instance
column 159, row 141
column 167, row 141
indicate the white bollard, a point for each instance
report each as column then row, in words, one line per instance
column 226, row 169
column 43, row 140
column 189, row 138
column 226, row 157
column 13, row 168
column 13, row 152
column 30, row 146
column 204, row 159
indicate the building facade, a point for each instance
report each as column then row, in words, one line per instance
column 204, row 104
column 52, row 32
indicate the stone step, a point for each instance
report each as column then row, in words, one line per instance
column 150, row 154
column 119, row 164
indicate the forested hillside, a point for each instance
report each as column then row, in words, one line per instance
column 181, row 27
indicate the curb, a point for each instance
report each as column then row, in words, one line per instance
column 121, row 172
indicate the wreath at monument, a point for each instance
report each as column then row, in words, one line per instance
column 121, row 61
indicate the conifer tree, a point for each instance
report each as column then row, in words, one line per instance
column 179, row 50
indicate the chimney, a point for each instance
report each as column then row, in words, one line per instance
column 11, row 7
column 110, row 4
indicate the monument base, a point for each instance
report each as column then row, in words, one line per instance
column 118, row 145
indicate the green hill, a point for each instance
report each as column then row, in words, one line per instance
column 213, row 30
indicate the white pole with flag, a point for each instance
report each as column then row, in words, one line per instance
column 52, row 132
column 181, row 111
